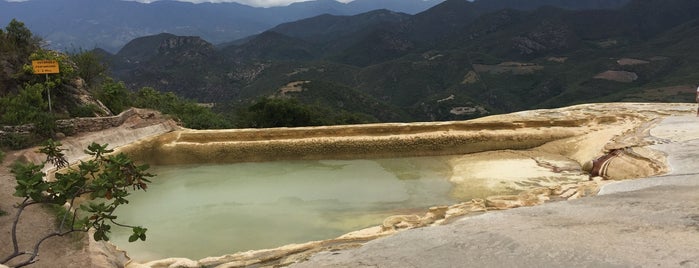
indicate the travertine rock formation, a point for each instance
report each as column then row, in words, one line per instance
column 528, row 158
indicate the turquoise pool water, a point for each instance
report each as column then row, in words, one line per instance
column 195, row 211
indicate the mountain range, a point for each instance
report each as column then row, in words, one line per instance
column 109, row 24
column 457, row 60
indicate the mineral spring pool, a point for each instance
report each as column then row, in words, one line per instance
column 195, row 211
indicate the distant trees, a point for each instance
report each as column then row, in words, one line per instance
column 190, row 113
column 23, row 95
column 110, row 178
column 288, row 112
column 276, row 112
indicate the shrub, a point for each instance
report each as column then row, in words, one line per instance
column 83, row 111
column 110, row 178
column 16, row 141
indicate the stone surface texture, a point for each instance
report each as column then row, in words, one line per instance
column 650, row 222
column 552, row 213
column 541, row 156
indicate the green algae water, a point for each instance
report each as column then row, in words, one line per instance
column 195, row 211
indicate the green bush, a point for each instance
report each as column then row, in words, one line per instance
column 114, row 95
column 277, row 112
column 17, row 141
column 83, row 111
column 45, row 125
column 90, row 66
column 24, row 107
column 2, row 157
column 109, row 178
column 189, row 113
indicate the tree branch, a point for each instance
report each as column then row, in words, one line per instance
column 35, row 253
column 15, row 244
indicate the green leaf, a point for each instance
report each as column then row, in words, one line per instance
column 98, row 235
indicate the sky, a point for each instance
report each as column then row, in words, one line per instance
column 255, row 3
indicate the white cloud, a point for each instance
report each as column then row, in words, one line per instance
column 255, row 3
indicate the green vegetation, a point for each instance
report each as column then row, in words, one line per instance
column 276, row 112
column 24, row 96
column 389, row 68
column 2, row 156
column 91, row 67
column 26, row 106
column 15, row 141
column 110, row 178
column 191, row 114
column 384, row 67
column 16, row 45
column 114, row 95
column 290, row 112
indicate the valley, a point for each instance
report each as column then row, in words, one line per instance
column 412, row 68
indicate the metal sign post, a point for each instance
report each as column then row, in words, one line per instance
column 46, row 67
column 48, row 92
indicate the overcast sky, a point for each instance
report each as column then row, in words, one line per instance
column 255, row 3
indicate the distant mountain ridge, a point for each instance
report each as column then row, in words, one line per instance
column 109, row 24
column 457, row 60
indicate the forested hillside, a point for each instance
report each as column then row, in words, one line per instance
column 457, row 60
column 109, row 24
column 80, row 89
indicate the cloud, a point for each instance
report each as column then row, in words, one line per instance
column 255, row 3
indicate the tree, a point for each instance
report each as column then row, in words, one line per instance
column 191, row 114
column 66, row 66
column 24, row 107
column 16, row 44
column 278, row 112
column 90, row 66
column 20, row 37
column 114, row 95
column 107, row 177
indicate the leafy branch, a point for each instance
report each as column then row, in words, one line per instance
column 106, row 177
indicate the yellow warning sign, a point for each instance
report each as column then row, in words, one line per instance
column 45, row 66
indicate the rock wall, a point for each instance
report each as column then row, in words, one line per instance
column 351, row 142
column 524, row 130
column 92, row 124
column 126, row 128
column 75, row 126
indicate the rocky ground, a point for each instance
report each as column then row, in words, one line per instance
column 649, row 222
